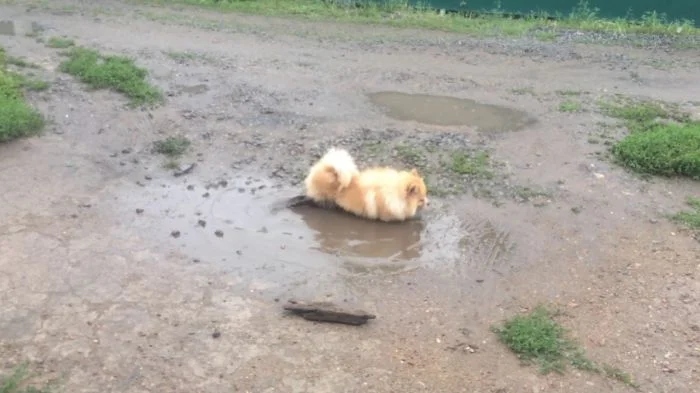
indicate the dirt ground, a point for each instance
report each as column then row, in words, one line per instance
column 106, row 299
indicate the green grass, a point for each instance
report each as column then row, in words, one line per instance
column 661, row 141
column 173, row 146
column 60, row 42
column 690, row 218
column 666, row 150
column 477, row 165
column 641, row 115
column 17, row 118
column 16, row 383
column 117, row 73
column 400, row 14
column 570, row 106
column 19, row 62
column 536, row 338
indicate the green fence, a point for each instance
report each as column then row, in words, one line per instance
column 674, row 9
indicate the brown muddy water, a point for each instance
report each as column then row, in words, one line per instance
column 450, row 111
column 243, row 226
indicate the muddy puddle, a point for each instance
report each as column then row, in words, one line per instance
column 244, row 226
column 450, row 111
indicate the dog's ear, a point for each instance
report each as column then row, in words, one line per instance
column 414, row 172
column 411, row 189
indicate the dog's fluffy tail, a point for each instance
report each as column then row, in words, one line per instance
column 330, row 175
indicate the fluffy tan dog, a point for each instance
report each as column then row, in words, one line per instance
column 377, row 193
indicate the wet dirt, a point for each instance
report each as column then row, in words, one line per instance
column 116, row 275
column 450, row 111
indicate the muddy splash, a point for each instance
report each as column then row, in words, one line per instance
column 450, row 111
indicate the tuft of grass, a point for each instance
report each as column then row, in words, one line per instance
column 537, row 338
column 691, row 218
column 401, row 13
column 641, row 115
column 411, row 155
column 35, row 85
column 181, row 57
column 570, row 106
column 173, row 146
column 16, row 383
column 171, row 164
column 664, row 149
column 478, row 165
column 117, row 73
column 19, row 62
column 60, row 42
column 17, row 118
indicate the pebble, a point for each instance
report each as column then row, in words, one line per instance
column 219, row 233
column 175, row 234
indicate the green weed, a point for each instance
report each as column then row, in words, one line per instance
column 60, row 42
column 17, row 118
column 690, row 218
column 537, row 338
column 642, row 115
column 411, row 155
column 117, row 73
column 478, row 165
column 667, row 150
column 19, row 62
column 172, row 146
column 16, row 383
column 570, row 106
column 181, row 56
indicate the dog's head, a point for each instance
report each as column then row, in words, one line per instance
column 416, row 191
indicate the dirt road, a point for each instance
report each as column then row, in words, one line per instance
column 185, row 294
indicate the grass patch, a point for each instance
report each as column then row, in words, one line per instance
column 19, row 62
column 490, row 22
column 690, row 218
column 16, row 383
column 181, row 56
column 666, row 150
column 477, row 165
column 537, row 338
column 60, row 42
column 17, row 118
column 35, row 84
column 411, row 155
column 641, row 115
column 117, row 73
column 570, row 106
column 173, row 146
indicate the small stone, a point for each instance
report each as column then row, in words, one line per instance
column 202, row 223
column 148, row 177
column 175, row 234
column 219, row 233
column 196, row 260
column 205, row 195
column 216, row 334
column 223, row 183
column 126, row 151
column 190, row 187
column 139, row 211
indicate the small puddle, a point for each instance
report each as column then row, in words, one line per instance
column 243, row 225
column 450, row 111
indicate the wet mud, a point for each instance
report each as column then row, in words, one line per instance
column 117, row 275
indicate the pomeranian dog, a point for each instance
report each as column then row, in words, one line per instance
column 378, row 193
